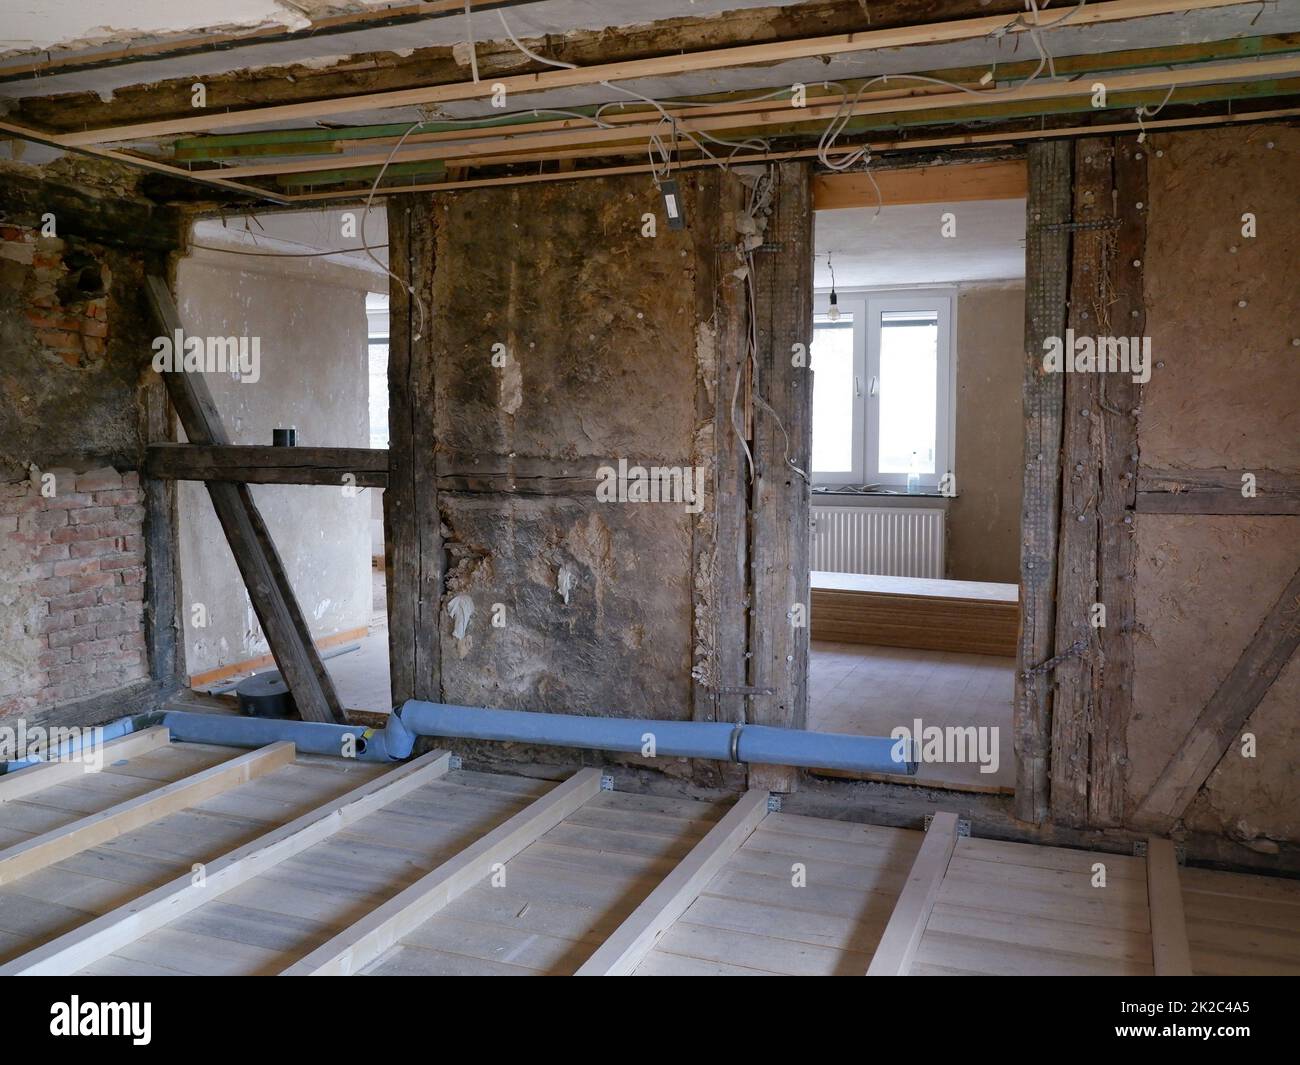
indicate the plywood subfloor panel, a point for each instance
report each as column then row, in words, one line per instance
column 1239, row 925
column 561, row 895
column 1019, row 909
column 263, row 926
column 802, row 896
column 51, row 901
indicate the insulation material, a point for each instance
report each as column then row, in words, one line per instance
column 1223, row 308
column 1204, row 585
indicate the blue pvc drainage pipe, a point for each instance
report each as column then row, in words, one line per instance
column 676, row 739
column 310, row 737
column 113, row 730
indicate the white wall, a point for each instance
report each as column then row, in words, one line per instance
column 311, row 320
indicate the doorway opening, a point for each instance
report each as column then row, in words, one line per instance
column 918, row 356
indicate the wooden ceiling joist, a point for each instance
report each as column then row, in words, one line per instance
column 916, row 144
column 1107, row 11
column 786, row 115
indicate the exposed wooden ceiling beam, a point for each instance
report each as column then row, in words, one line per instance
column 711, row 59
column 1005, row 180
column 786, row 115
column 919, row 144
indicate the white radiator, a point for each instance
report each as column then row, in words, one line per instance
column 883, row 541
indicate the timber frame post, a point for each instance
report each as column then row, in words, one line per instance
column 1047, row 251
column 412, row 521
column 780, row 500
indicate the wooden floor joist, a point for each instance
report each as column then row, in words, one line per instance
column 94, row 940
column 47, row 774
column 1169, row 949
column 57, row 844
column 519, row 876
column 897, row 947
column 355, row 947
column 627, row 947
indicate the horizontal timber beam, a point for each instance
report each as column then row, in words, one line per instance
column 1006, row 180
column 712, row 59
column 901, row 145
column 266, row 464
column 1217, row 491
column 317, row 140
column 783, row 114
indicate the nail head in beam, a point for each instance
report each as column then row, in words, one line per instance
column 100, row 937
column 628, row 945
column 59, row 843
column 897, row 947
column 45, row 775
column 356, row 947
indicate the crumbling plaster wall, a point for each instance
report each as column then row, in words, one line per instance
column 311, row 324
column 599, row 331
column 1222, row 312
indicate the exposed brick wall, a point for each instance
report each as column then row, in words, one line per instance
column 73, row 546
column 65, row 294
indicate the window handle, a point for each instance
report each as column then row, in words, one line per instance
column 875, row 381
column 857, row 385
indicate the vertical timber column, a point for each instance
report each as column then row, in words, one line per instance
column 1078, row 671
column 412, row 537
column 1117, row 564
column 162, row 569
column 722, row 550
column 780, row 495
column 1047, row 249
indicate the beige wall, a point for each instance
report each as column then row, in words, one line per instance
column 984, row 519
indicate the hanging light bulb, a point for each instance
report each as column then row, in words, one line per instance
column 832, row 312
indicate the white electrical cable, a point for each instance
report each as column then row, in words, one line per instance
column 365, row 213
column 473, row 52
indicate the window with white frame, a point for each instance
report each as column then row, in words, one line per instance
column 882, row 388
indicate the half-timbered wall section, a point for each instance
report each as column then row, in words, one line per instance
column 583, row 396
column 1177, row 602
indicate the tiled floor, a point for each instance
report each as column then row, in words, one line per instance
column 871, row 690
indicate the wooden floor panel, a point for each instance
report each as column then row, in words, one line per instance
column 583, row 877
column 595, row 880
